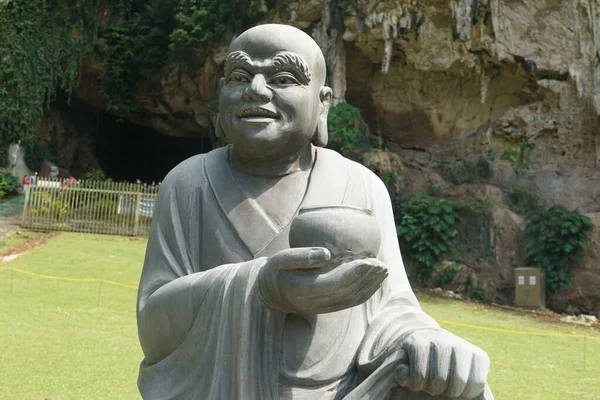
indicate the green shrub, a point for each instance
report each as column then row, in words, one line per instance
column 107, row 207
column 517, row 155
column 522, row 199
column 484, row 206
column 42, row 44
column 446, row 275
column 554, row 239
column 152, row 33
column 9, row 184
column 96, row 175
column 427, row 230
column 343, row 124
column 50, row 205
column 478, row 293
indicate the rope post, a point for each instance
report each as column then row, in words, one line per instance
column 584, row 349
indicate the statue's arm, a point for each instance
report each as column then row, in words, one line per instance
column 174, row 290
column 428, row 358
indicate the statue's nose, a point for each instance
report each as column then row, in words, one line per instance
column 258, row 90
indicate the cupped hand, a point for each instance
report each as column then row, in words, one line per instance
column 441, row 363
column 302, row 281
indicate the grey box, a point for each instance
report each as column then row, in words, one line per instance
column 530, row 287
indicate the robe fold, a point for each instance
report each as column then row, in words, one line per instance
column 205, row 332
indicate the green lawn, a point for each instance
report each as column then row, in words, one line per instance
column 78, row 340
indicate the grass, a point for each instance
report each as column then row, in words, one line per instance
column 76, row 340
column 524, row 366
column 71, row 340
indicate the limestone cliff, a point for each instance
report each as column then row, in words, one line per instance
column 443, row 83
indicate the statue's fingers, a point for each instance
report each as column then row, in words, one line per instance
column 440, row 361
column 302, row 258
column 480, row 366
column 486, row 394
column 418, row 351
column 460, row 365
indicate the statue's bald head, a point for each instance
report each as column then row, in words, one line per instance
column 265, row 40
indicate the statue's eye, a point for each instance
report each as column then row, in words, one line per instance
column 283, row 79
column 239, row 77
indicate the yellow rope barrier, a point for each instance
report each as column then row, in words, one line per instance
column 441, row 321
column 485, row 328
column 60, row 278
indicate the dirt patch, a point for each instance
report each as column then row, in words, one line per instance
column 9, row 225
column 543, row 315
column 26, row 246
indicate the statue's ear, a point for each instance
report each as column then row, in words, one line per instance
column 218, row 130
column 322, row 136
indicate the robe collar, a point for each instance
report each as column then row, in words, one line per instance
column 326, row 186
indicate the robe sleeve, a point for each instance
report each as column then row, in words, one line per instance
column 393, row 312
column 173, row 285
column 204, row 332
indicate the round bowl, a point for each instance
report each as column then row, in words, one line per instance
column 342, row 229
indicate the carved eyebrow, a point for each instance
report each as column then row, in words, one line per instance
column 284, row 60
column 287, row 59
column 235, row 59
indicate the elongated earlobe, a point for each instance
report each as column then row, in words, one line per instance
column 321, row 136
column 218, row 130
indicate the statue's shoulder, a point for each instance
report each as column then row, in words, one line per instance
column 191, row 172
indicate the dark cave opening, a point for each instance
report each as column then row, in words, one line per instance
column 127, row 151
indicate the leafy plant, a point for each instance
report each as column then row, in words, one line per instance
column 517, row 155
column 343, row 124
column 388, row 178
column 37, row 153
column 9, row 184
column 50, row 204
column 554, row 239
column 446, row 275
column 42, row 45
column 522, row 199
column 484, row 206
column 96, row 175
column 478, row 293
column 155, row 32
column 427, row 229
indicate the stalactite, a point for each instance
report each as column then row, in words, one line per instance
column 393, row 24
column 485, row 84
column 462, row 19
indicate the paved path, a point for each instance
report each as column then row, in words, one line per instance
column 9, row 225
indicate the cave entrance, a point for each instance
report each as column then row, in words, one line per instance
column 127, row 152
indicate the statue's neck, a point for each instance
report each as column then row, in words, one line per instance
column 273, row 167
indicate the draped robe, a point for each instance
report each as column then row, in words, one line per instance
column 205, row 332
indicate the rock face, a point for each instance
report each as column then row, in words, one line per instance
column 582, row 295
column 443, row 83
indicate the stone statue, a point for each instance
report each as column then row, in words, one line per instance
column 273, row 269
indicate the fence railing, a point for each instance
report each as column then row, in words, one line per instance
column 89, row 206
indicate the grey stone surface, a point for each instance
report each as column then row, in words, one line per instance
column 227, row 309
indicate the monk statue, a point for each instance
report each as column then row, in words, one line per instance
column 227, row 309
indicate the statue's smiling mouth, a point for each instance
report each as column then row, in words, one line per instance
column 258, row 114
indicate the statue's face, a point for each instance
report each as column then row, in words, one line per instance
column 270, row 98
